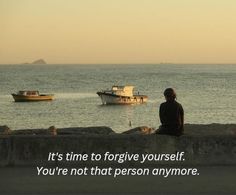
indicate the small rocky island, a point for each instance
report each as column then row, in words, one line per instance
column 40, row 61
column 37, row 62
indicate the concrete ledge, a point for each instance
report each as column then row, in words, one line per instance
column 31, row 150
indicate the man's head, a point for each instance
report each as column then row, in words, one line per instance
column 169, row 94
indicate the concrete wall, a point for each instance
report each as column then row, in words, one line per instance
column 33, row 149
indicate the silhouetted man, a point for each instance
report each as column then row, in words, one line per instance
column 171, row 115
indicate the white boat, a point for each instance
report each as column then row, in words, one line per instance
column 121, row 95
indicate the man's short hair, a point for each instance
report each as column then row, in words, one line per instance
column 170, row 93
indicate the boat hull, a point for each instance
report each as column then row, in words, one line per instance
column 23, row 98
column 121, row 100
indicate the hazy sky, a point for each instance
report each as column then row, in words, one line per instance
column 118, row 31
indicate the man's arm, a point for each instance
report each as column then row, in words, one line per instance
column 182, row 115
column 161, row 113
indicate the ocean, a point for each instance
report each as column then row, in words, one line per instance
column 206, row 92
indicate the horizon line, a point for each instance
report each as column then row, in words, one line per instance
column 160, row 63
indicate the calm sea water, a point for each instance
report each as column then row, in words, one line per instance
column 207, row 93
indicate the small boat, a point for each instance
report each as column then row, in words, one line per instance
column 121, row 95
column 26, row 96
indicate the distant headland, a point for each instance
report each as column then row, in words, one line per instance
column 37, row 62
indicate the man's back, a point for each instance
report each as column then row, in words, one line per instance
column 170, row 113
column 171, row 116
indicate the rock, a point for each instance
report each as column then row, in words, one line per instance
column 52, row 130
column 5, row 130
column 101, row 130
column 31, row 132
column 144, row 130
column 40, row 61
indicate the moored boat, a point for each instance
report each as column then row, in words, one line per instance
column 121, row 95
column 26, row 96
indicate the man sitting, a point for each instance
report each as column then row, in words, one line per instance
column 171, row 115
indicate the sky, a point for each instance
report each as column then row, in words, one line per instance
column 118, row 31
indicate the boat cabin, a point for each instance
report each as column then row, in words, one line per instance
column 29, row 93
column 123, row 90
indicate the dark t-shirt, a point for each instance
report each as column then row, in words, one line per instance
column 171, row 115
